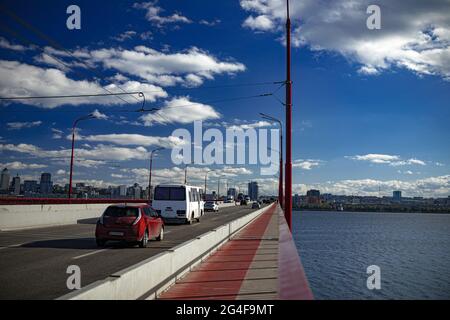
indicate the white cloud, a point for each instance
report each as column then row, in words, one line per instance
column 98, row 153
column 98, row 115
column 260, row 23
column 153, row 14
column 133, row 139
column 210, row 23
column 57, row 134
column 165, row 69
column 414, row 36
column 428, row 187
column 18, row 79
column 180, row 110
column 196, row 175
column 392, row 160
column 306, row 164
column 125, row 36
column 254, row 125
column 17, row 165
column 22, row 125
column 5, row 44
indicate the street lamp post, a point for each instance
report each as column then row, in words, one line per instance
column 89, row 116
column 206, row 178
column 150, row 172
column 185, row 174
column 280, row 182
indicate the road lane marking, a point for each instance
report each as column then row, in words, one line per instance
column 89, row 254
column 13, row 246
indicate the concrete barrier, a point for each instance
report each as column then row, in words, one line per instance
column 150, row 277
column 13, row 217
column 37, row 216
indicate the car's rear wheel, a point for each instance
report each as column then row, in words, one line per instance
column 100, row 243
column 161, row 235
column 143, row 243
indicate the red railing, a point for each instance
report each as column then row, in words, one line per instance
column 25, row 201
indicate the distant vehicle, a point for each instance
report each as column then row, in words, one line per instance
column 211, row 206
column 179, row 203
column 244, row 202
column 229, row 199
column 247, row 198
column 240, row 196
column 129, row 223
column 256, row 205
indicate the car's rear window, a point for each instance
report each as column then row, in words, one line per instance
column 170, row 193
column 122, row 212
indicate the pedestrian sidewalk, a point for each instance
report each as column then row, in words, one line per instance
column 243, row 268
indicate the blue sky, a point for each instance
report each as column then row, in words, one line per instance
column 371, row 108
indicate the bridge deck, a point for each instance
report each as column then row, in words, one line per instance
column 246, row 267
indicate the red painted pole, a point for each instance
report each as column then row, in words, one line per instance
column 280, row 182
column 288, row 169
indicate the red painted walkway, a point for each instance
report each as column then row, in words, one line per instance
column 246, row 267
column 222, row 274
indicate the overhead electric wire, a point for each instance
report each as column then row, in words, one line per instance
column 23, row 39
column 124, row 92
column 55, row 44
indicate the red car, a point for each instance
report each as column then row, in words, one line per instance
column 130, row 223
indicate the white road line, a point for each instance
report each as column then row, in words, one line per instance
column 88, row 254
column 13, row 246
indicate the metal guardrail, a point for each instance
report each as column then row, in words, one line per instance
column 30, row 201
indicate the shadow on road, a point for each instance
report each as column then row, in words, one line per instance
column 86, row 244
column 87, row 221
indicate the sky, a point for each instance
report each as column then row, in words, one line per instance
column 370, row 107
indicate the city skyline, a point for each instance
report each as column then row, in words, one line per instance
column 361, row 125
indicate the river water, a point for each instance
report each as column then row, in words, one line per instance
column 412, row 251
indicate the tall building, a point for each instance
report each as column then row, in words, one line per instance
column 4, row 180
column 122, row 190
column 15, row 185
column 232, row 192
column 397, row 195
column 313, row 196
column 46, row 185
column 30, row 186
column 253, row 191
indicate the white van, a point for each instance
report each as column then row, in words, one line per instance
column 178, row 203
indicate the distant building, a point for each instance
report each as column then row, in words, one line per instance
column 296, row 200
column 313, row 196
column 397, row 195
column 15, row 185
column 4, row 180
column 30, row 187
column 136, row 191
column 46, row 185
column 232, row 192
column 253, row 191
column 122, row 190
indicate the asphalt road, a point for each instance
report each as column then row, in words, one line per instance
column 33, row 263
